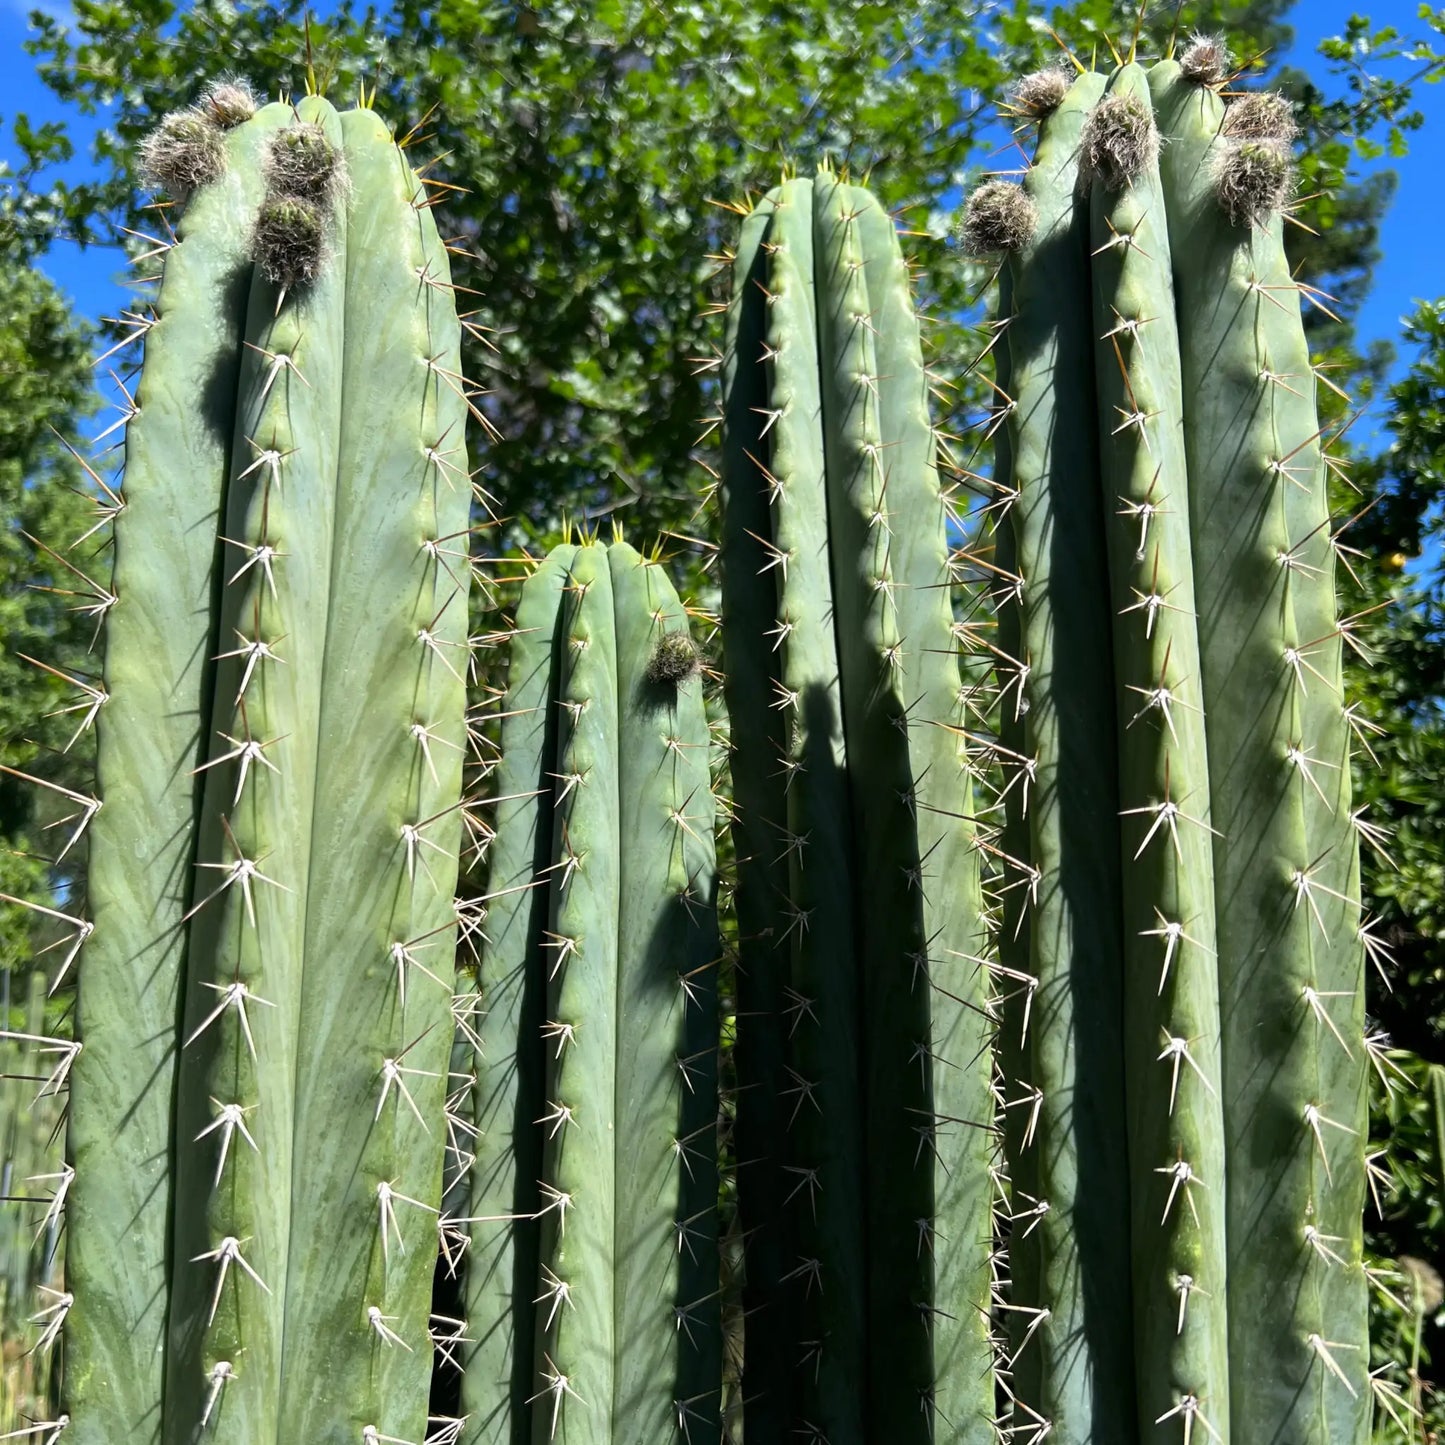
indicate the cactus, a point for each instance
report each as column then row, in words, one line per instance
column 1286, row 858
column 1060, row 941
column 1231, row 951
column 1175, row 1133
column 264, row 1014
column 1125, row 1031
column 862, row 988
column 593, row 1283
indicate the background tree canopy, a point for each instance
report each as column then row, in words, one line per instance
column 594, row 148
column 595, row 141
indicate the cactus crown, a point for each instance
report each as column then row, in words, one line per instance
column 1261, row 115
column 999, row 218
column 1205, row 60
column 184, row 152
column 1253, row 180
column 1119, row 140
column 1040, row 93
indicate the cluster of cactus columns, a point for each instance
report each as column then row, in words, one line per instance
column 1182, row 864
column 1048, row 1014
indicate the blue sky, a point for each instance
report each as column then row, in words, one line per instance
column 1412, row 231
column 1411, row 239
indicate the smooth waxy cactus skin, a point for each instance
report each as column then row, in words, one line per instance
column 509, row 1096
column 825, row 1143
column 1290, row 959
column 1176, row 1134
column 293, row 1164
column 834, row 534
column 751, row 676
column 1061, row 938
column 614, row 1076
column 151, row 734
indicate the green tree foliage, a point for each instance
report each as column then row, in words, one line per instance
column 45, row 377
column 1395, row 591
column 598, row 142
column 1403, row 690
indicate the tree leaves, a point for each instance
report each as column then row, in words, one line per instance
column 45, row 366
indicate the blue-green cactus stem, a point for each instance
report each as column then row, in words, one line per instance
column 1014, row 986
column 884, row 1083
column 151, row 735
column 898, row 1132
column 575, row 1363
column 823, row 1095
column 1069, row 1247
column 238, row 1055
column 1176, row 1136
column 604, row 1022
column 320, row 1009
column 387, row 830
column 502, row 1262
column 920, row 916
column 959, row 1028
column 1290, row 962
column 759, row 736
column 667, row 1303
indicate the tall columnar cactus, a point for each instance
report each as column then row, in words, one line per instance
column 1291, row 961
column 594, row 1302
column 264, row 1011
column 1169, row 345
column 862, row 992
column 1060, row 941
column 1175, row 1125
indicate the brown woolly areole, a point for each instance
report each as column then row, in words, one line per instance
column 302, row 162
column 184, row 152
column 673, row 660
column 1253, row 180
column 229, row 102
column 289, row 242
column 1041, row 93
column 1205, row 59
column 1000, row 217
column 1260, row 115
column 1119, row 141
